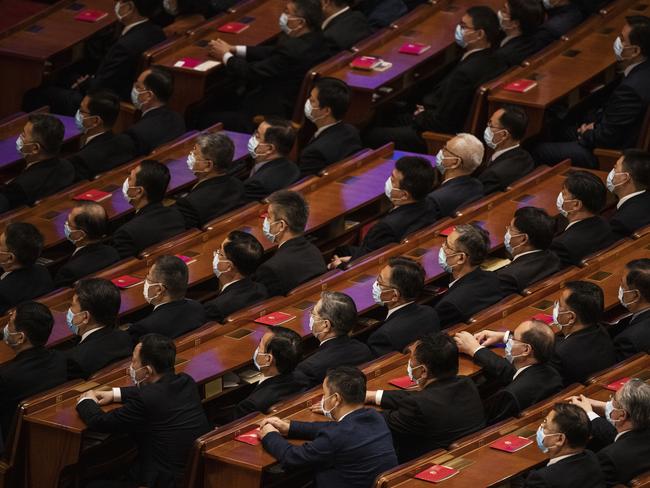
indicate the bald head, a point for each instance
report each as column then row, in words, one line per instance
column 538, row 336
column 469, row 149
column 89, row 218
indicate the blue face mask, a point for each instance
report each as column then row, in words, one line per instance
column 69, row 318
column 376, row 293
column 439, row 165
column 79, row 121
column 540, row 439
column 459, row 37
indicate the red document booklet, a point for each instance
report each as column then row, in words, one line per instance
column 90, row 15
column 275, row 318
column 92, row 195
column 365, row 62
column 511, row 443
column 403, row 382
column 233, row 27
column 126, row 281
column 520, row 86
column 249, row 437
column 618, row 384
column 436, row 473
column 415, row 48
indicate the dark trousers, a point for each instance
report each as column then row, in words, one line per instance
column 398, row 129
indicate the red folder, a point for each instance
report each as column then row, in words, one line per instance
column 618, row 384
column 415, row 48
column 544, row 317
column 365, row 62
column 249, row 437
column 126, row 281
column 191, row 62
column 92, row 195
column 90, row 15
column 233, row 27
column 520, row 86
column 436, row 473
column 511, row 443
column 402, row 382
column 275, row 318
column 447, row 231
column 185, row 259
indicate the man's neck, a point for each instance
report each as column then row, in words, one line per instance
column 522, row 363
column 267, row 159
column 207, row 176
column 565, row 451
column 227, row 278
column 327, row 337
column 462, row 271
column 151, row 106
column 394, row 305
column 505, row 145
column 401, row 203
column 140, row 204
column 576, row 328
column 625, row 190
column 453, row 173
column 25, row 346
column 325, row 121
column 95, row 131
column 523, row 249
column 343, row 410
column 162, row 300
column 287, row 237
column 580, row 215
column 35, row 159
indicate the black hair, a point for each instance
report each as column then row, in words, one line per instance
column 439, row 353
column 280, row 133
column 485, row 19
column 407, row 276
column 286, row 348
column 573, row 422
column 48, row 131
column 637, row 163
column 92, row 219
column 244, row 251
column 291, row 207
column 349, row 382
column 640, row 33
column 159, row 352
column 100, row 298
column 311, row 11
column 540, row 339
column 35, row 320
column 161, row 83
column 146, row 8
column 418, row 176
column 154, row 178
column 638, row 277
column 105, row 105
column 537, row 225
column 529, row 14
column 586, row 300
column 514, row 120
column 172, row 272
column 588, row 188
column 24, row 241
column 333, row 94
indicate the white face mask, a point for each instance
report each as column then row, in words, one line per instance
column 215, row 265
column 309, row 112
column 145, row 291
column 135, row 97
column 610, row 180
column 409, row 372
column 559, row 203
column 327, row 413
column 621, row 297
column 266, row 229
column 118, row 9
column 258, row 353
column 133, row 374
column 125, row 190
column 488, row 137
column 171, row 7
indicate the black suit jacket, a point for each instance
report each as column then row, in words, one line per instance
column 102, row 153
column 331, row 146
column 517, row 50
column 272, row 176
column 582, row 239
column 447, row 105
column 470, row 294
column 99, row 349
column 531, row 385
column 506, row 169
column 171, row 319
column 351, row 453
column 339, row 351
column 526, row 270
column 583, row 354
column 241, row 294
column 165, row 418
column 24, row 284
column 394, row 226
column 118, row 69
column 152, row 224
column 618, row 123
column 85, row 261
column 268, row 393
column 346, row 30
column 453, row 194
column 209, row 199
column 632, row 215
column 625, row 458
column 30, row 372
column 635, row 337
column 274, row 73
column 381, row 13
column 403, row 327
column 36, row 182
column 155, row 128
column 434, row 417
column 579, row 470
column 295, row 262
column 560, row 20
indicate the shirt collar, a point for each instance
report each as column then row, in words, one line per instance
column 329, row 19
column 228, row 284
column 150, row 109
column 621, row 433
column 627, row 197
column 131, row 26
column 627, row 70
column 326, row 340
column 502, row 151
column 320, row 131
column 472, row 51
column 85, row 335
column 527, row 252
column 4, row 275
column 351, row 411
column 572, row 223
column 506, row 40
column 560, row 458
column 90, row 138
column 520, row 370
column 393, row 310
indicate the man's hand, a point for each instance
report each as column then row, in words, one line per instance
column 104, row 397
column 338, row 261
column 582, row 401
column 91, row 394
column 489, row 337
column 315, row 408
column 418, row 110
column 277, row 425
column 218, row 48
column 266, row 429
column 585, row 127
column 80, row 81
column 466, row 342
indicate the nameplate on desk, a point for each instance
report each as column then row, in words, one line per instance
column 239, row 333
column 600, row 275
column 213, row 388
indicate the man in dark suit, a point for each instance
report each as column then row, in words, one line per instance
column 273, row 73
column 351, row 450
column 563, row 434
column 509, row 162
column 634, row 295
column 158, row 124
column 334, row 139
column 524, row 376
column 472, row 289
column 296, row 260
column 217, row 191
column 22, row 279
column 35, row 368
column 624, row 431
column 117, row 69
column 617, row 123
column 331, row 321
column 85, row 228
column 445, row 108
column 527, row 240
column 585, row 347
column 629, row 180
column 269, row 147
column 101, row 149
column 443, row 408
column 397, row 287
column 381, row 13
column 561, row 17
column 582, row 197
column 407, row 188
column 163, row 411
column 164, row 288
column 45, row 173
column 234, row 262
column 92, row 317
column 145, row 189
column 343, row 28
column 519, row 21
column 276, row 358
column 456, row 162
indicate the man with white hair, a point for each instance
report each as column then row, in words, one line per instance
column 456, row 162
column 625, row 428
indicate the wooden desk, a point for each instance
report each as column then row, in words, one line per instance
column 48, row 44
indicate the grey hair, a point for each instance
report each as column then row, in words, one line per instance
column 218, row 148
column 470, row 149
column 340, row 310
column 635, row 400
column 473, row 241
